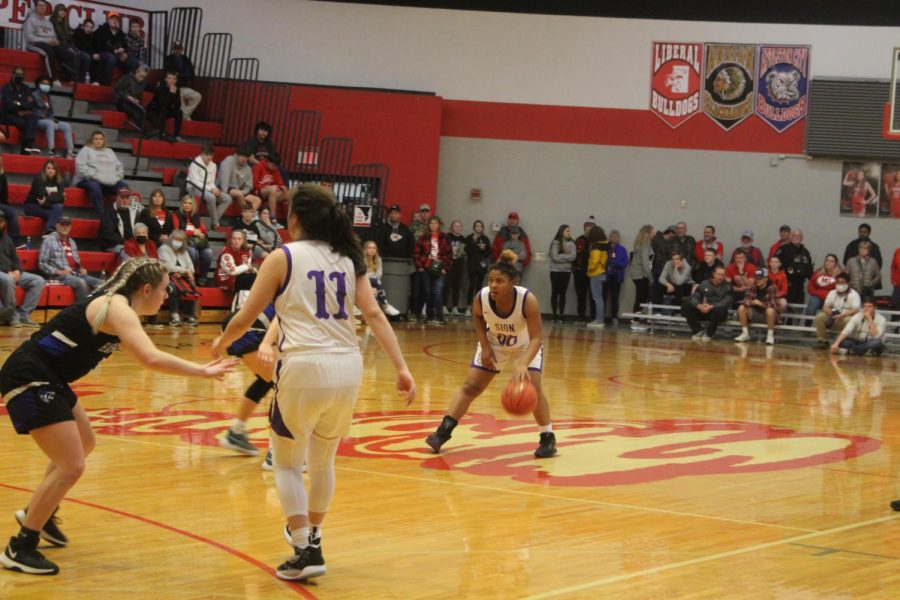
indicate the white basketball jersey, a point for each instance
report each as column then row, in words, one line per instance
column 315, row 304
column 506, row 331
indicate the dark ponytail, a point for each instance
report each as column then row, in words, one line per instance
column 323, row 219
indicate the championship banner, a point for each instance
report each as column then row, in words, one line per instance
column 675, row 81
column 782, row 80
column 728, row 83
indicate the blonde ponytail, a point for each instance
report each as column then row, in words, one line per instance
column 130, row 276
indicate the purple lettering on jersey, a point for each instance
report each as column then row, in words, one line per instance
column 340, row 279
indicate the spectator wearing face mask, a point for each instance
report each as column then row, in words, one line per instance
column 48, row 121
column 174, row 255
column 841, row 303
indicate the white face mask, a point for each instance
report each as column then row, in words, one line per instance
column 44, row 88
column 842, row 287
column 177, row 244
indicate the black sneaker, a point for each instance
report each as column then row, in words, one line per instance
column 895, row 505
column 440, row 436
column 26, row 560
column 306, row 563
column 51, row 531
column 239, row 442
column 547, row 447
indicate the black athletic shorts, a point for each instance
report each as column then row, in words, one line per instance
column 35, row 396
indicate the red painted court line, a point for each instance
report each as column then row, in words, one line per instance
column 301, row 591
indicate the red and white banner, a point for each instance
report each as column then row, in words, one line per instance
column 675, row 82
column 14, row 12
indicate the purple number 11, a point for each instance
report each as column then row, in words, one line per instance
column 340, row 279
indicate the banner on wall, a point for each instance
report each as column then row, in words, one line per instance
column 14, row 12
column 859, row 183
column 675, row 81
column 728, row 80
column 889, row 199
column 782, row 80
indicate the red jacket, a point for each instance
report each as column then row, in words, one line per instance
column 895, row 268
column 422, row 251
column 232, row 263
column 700, row 248
column 780, row 281
column 820, row 284
column 503, row 235
column 266, row 174
column 132, row 249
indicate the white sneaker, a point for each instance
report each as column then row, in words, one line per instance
column 468, row 313
column 596, row 325
column 770, row 338
column 744, row 337
column 698, row 336
column 390, row 310
column 266, row 464
column 704, row 337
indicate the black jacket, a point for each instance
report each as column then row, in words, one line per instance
column 107, row 41
column 15, row 98
column 164, row 101
column 796, row 262
column 478, row 252
column 181, row 65
column 394, row 248
column 9, row 258
column 53, row 193
column 853, row 250
column 109, row 227
column 154, row 229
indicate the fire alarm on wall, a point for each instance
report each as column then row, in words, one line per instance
column 475, row 195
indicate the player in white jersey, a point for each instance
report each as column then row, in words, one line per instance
column 314, row 283
column 507, row 321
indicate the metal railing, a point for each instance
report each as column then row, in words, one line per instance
column 214, row 56
column 158, row 40
column 184, row 26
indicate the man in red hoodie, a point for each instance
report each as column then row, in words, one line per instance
column 269, row 185
column 512, row 220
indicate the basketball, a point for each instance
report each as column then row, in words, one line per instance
column 519, row 398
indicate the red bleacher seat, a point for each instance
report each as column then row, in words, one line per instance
column 31, row 165
column 82, row 229
column 15, row 138
column 104, row 95
column 75, row 197
column 215, row 297
column 59, row 295
column 186, row 152
column 94, row 262
column 116, row 120
column 42, row 301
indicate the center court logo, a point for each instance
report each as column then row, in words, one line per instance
column 592, row 452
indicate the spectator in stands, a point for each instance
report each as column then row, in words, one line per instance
column 478, row 254
column 394, row 239
column 158, row 219
column 784, row 237
column 562, row 256
column 235, row 270
column 417, row 228
column 798, row 265
column 174, row 255
column 865, row 273
column 616, row 265
column 197, row 240
column 660, row 246
column 432, row 255
column 246, row 224
column 516, row 244
column 419, row 224
column 682, row 243
column 261, row 144
column 178, row 62
column 128, row 92
column 269, row 185
column 83, row 37
column 704, row 270
column 111, row 47
column 709, row 302
column 584, row 303
column 135, row 44
column 895, row 280
column 11, row 275
column 640, row 270
column 753, row 254
column 140, row 244
column 821, row 283
column 201, row 181
column 48, row 122
column 46, row 197
column 166, row 104
column 596, row 272
column 709, row 241
column 18, row 109
column 374, row 272
column 236, row 178
column 268, row 237
column 863, row 333
column 98, row 171
column 12, row 216
column 81, row 59
column 453, row 289
column 512, row 220
column 841, row 303
column 779, row 278
column 760, row 305
column 117, row 224
column 41, row 38
column 863, row 231
column 59, row 260
column 741, row 275
column 675, row 278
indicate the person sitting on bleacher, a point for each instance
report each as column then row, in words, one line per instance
column 236, row 271
column 864, row 332
column 841, row 303
column 268, row 237
column 864, row 270
column 140, row 244
column 46, row 197
column 201, row 181
column 709, row 302
column 117, row 224
column 43, row 108
column 98, row 171
column 704, row 270
column 135, row 44
column 83, row 38
column 80, row 58
column 821, row 283
column 261, row 143
column 760, row 304
column 178, row 62
column 59, row 261
column 236, row 178
column 11, row 274
column 166, row 104
column 269, row 185
column 12, row 216
column 158, row 219
column 17, row 106
column 675, row 278
column 754, row 254
column 110, row 44
column 741, row 275
column 174, row 255
column 128, row 92
column 863, row 232
column 197, row 241
column 40, row 37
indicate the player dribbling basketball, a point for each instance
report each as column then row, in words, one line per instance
column 507, row 321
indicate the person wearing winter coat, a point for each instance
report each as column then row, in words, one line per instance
column 562, row 258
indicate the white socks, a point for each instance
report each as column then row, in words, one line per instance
column 300, row 537
column 546, row 428
column 239, row 426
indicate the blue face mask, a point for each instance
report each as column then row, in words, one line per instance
column 44, row 88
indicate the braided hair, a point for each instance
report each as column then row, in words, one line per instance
column 128, row 278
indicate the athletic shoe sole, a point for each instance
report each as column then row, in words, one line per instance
column 12, row 565
column 310, row 572
column 20, row 518
column 240, row 449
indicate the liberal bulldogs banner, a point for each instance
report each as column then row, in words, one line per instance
column 728, row 83
column 675, row 83
column 783, row 81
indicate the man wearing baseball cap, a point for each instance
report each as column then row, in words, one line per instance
column 784, row 236
column 179, row 63
column 760, row 305
column 419, row 224
column 394, row 239
column 512, row 220
column 753, row 254
column 59, row 260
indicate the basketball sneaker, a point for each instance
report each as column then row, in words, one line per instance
column 306, row 563
column 239, row 442
column 895, row 505
column 441, row 434
column 51, row 531
column 19, row 557
column 267, row 462
column 315, row 536
column 547, row 447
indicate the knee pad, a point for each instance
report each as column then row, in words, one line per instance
column 258, row 389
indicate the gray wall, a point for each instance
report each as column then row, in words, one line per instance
column 550, row 184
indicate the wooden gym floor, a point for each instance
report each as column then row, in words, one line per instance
column 685, row 470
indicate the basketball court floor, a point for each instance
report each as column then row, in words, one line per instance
column 685, row 470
